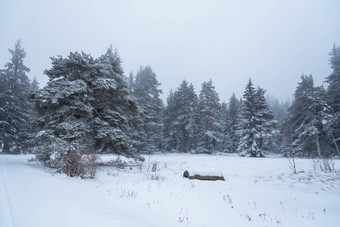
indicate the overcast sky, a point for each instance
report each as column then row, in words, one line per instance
column 228, row 41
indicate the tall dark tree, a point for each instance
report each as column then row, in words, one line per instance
column 309, row 117
column 34, row 84
column 267, row 124
column 249, row 126
column 210, row 129
column 14, row 105
column 147, row 93
column 84, row 107
column 231, row 138
column 333, row 97
column 181, row 118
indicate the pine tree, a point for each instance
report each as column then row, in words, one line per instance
column 34, row 84
column 333, row 98
column 181, row 119
column 209, row 120
column 266, row 122
column 249, row 127
column 309, row 117
column 170, row 139
column 231, row 138
column 84, row 107
column 131, row 82
column 147, row 93
column 14, row 105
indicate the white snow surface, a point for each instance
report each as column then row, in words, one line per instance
column 257, row 192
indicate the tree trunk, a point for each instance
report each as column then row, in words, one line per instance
column 318, row 146
column 336, row 145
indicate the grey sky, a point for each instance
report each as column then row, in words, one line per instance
column 273, row 42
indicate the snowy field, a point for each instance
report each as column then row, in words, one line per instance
column 257, row 192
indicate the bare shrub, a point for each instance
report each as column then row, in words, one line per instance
column 154, row 167
column 324, row 164
column 292, row 163
column 74, row 163
column 128, row 193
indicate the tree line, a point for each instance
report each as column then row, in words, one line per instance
column 89, row 105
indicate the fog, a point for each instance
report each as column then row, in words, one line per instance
column 272, row 42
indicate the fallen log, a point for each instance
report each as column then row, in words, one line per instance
column 203, row 176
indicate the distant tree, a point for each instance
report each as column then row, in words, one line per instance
column 309, row 116
column 34, row 84
column 181, row 119
column 231, row 138
column 333, row 98
column 267, row 125
column 84, row 107
column 147, row 93
column 209, row 127
column 131, row 82
column 170, row 139
column 14, row 105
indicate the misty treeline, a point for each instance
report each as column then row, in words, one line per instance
column 89, row 107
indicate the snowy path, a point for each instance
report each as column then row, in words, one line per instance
column 7, row 218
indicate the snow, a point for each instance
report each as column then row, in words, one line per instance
column 257, row 192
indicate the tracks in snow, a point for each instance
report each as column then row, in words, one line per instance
column 6, row 214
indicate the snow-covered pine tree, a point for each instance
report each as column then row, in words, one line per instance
column 147, row 93
column 186, row 117
column 14, row 105
column 169, row 133
column 268, row 125
column 231, row 138
column 180, row 119
column 210, row 129
column 84, row 107
column 249, row 128
column 309, row 116
column 131, row 82
column 333, row 98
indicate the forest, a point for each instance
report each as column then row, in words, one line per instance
column 90, row 107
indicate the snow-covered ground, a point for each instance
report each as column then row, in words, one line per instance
column 257, row 192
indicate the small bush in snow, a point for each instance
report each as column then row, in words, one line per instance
column 154, row 167
column 324, row 164
column 74, row 163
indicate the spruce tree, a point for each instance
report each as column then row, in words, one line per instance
column 333, row 98
column 267, row 124
column 209, row 128
column 249, row 127
column 231, row 138
column 309, row 117
column 14, row 105
column 180, row 119
column 147, row 93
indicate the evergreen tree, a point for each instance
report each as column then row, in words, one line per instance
column 169, row 131
column 309, row 117
column 131, row 82
column 266, row 122
column 181, row 118
column 231, row 138
column 249, row 127
column 34, row 84
column 84, row 107
column 209, row 120
column 147, row 93
column 14, row 105
column 333, row 98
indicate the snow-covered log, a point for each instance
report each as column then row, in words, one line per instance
column 207, row 175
